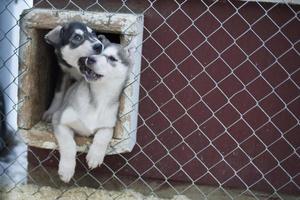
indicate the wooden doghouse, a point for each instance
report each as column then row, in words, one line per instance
column 38, row 68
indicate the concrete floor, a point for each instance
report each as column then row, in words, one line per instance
column 44, row 188
column 35, row 192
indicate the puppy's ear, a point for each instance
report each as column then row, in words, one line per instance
column 53, row 37
column 104, row 40
column 131, row 53
column 131, row 49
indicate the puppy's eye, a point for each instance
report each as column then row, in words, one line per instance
column 77, row 37
column 111, row 58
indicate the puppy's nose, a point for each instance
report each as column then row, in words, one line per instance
column 90, row 61
column 98, row 48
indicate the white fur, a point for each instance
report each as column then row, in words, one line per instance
column 89, row 108
column 67, row 148
column 78, row 31
column 89, row 29
column 98, row 148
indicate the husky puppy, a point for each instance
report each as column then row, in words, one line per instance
column 71, row 41
column 90, row 107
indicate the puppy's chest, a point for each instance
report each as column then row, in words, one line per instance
column 86, row 118
column 92, row 119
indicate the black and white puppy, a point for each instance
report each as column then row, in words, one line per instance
column 71, row 41
column 90, row 107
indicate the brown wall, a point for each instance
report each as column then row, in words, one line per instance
column 251, row 140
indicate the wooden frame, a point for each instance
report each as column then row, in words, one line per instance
column 35, row 65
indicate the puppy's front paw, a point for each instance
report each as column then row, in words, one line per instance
column 66, row 171
column 94, row 158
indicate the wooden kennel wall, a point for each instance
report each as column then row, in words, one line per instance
column 37, row 64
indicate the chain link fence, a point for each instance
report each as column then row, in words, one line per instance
column 218, row 106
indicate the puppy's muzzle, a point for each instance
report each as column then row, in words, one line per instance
column 85, row 65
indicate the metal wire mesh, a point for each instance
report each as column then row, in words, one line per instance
column 219, row 100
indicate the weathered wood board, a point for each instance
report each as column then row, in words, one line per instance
column 41, row 136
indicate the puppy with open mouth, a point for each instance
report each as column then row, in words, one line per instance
column 90, row 107
column 70, row 41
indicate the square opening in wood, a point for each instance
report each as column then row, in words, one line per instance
column 38, row 68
